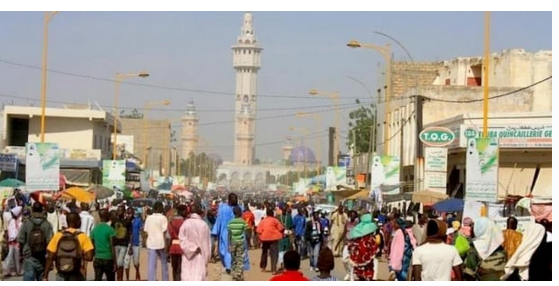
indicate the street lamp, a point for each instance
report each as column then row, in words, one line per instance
column 147, row 108
column 119, row 78
column 335, row 96
column 386, row 52
column 48, row 16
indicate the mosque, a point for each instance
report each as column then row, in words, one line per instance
column 242, row 172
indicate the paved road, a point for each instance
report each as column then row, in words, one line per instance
column 216, row 272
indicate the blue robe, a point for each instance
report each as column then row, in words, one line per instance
column 224, row 216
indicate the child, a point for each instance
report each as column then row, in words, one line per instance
column 325, row 265
column 237, row 244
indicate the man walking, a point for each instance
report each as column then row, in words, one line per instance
column 175, row 249
column 194, row 237
column 34, row 236
column 69, row 248
column 105, row 255
column 339, row 219
column 156, row 227
column 134, row 250
column 123, row 229
column 300, row 222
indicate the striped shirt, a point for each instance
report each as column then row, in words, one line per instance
column 331, row 278
column 237, row 227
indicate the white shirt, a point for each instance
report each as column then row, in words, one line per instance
column 155, row 227
column 258, row 216
column 436, row 260
column 87, row 222
column 53, row 219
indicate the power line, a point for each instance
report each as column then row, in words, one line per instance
column 492, row 97
column 182, row 89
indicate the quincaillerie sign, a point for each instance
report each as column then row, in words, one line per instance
column 522, row 136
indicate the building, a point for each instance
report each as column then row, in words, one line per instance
column 83, row 135
column 152, row 143
column 525, row 151
column 246, row 61
column 81, row 132
column 189, row 132
column 456, row 89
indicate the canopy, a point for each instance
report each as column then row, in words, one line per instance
column 449, row 205
column 102, row 192
column 360, row 195
column 428, row 197
column 79, row 194
column 11, row 183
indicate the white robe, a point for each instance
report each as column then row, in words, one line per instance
column 193, row 234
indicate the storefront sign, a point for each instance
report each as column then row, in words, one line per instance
column 436, row 136
column 435, row 181
column 8, row 162
column 435, row 159
column 519, row 136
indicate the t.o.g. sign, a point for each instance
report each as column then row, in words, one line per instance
column 436, row 136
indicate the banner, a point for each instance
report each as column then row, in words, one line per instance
column 42, row 166
column 335, row 176
column 385, row 174
column 114, row 174
column 511, row 136
column 436, row 159
column 482, row 169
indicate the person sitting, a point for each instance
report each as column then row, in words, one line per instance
column 292, row 263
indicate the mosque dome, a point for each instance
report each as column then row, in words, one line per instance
column 302, row 154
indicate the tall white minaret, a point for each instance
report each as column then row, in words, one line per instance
column 246, row 61
column 189, row 132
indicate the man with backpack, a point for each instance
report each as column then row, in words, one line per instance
column 69, row 248
column 33, row 236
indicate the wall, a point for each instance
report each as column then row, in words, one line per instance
column 157, row 134
column 69, row 133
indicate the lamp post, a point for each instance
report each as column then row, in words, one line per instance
column 334, row 96
column 386, row 52
column 119, row 78
column 147, row 108
column 48, row 16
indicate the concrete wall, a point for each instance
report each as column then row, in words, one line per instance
column 69, row 133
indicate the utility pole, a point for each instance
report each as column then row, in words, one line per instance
column 418, row 176
column 331, row 141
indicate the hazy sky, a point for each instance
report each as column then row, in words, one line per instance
column 189, row 57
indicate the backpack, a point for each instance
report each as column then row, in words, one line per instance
column 37, row 240
column 121, row 231
column 68, row 253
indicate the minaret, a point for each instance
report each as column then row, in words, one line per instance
column 189, row 133
column 246, row 61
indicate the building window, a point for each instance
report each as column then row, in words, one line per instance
column 475, row 76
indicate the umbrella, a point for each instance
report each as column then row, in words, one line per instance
column 11, row 183
column 449, row 205
column 81, row 195
column 102, row 192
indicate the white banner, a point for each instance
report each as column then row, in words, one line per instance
column 436, row 159
column 42, row 166
column 482, row 169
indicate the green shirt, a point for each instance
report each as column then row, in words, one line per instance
column 237, row 227
column 101, row 236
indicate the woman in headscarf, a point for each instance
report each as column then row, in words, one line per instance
column 527, row 263
column 486, row 260
column 401, row 250
column 363, row 248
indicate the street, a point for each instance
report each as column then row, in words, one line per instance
column 217, row 273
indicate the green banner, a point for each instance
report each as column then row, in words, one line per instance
column 42, row 166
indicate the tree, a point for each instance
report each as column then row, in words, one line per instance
column 134, row 114
column 360, row 126
column 199, row 165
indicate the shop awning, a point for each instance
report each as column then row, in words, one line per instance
column 542, row 188
column 515, row 181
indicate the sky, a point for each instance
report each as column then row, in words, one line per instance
column 189, row 58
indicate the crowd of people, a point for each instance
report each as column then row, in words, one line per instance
column 190, row 235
